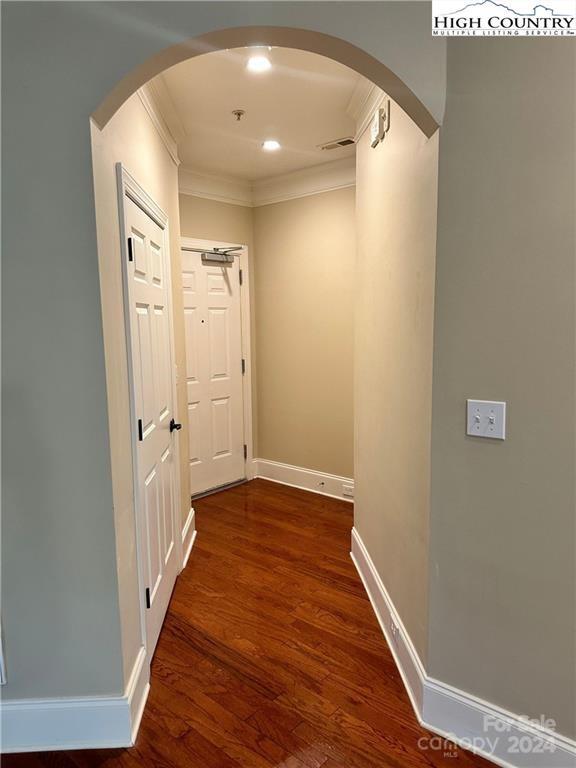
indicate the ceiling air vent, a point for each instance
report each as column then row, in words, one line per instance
column 337, row 143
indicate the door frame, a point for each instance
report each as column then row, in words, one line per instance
column 246, row 336
column 127, row 186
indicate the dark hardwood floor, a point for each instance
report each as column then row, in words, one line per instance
column 270, row 655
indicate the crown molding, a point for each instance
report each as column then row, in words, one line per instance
column 220, row 188
column 149, row 99
column 326, row 177
column 365, row 99
column 359, row 95
column 167, row 108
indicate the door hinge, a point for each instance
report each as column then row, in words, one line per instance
column 243, row 366
column 240, row 276
column 130, row 250
column 245, row 452
column 147, row 597
column 140, row 433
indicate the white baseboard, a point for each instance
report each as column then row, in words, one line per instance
column 306, row 479
column 35, row 725
column 405, row 656
column 509, row 740
column 188, row 536
column 137, row 692
column 502, row 737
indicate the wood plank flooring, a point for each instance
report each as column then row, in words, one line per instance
column 270, row 656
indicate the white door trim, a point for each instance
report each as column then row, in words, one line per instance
column 129, row 187
column 245, row 315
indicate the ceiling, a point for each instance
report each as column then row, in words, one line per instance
column 301, row 101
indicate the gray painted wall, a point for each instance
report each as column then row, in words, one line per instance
column 502, row 523
column 60, row 592
column 501, row 555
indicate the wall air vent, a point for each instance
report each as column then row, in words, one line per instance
column 337, row 143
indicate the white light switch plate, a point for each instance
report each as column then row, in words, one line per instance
column 486, row 418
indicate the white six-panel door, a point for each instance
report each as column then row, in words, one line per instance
column 152, row 371
column 213, row 372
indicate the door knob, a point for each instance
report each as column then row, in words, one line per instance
column 174, row 425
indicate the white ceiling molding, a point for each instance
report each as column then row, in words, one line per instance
column 220, row 188
column 359, row 95
column 149, row 101
column 366, row 98
column 167, row 108
column 308, row 181
column 337, row 174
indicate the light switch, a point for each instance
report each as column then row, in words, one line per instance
column 486, row 418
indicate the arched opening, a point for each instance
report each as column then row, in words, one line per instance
column 303, row 39
column 394, row 216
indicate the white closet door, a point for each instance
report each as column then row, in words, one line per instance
column 214, row 371
column 153, row 371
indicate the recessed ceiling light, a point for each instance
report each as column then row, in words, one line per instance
column 271, row 145
column 258, row 64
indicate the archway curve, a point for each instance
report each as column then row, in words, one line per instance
column 288, row 37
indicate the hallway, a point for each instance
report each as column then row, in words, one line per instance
column 270, row 654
